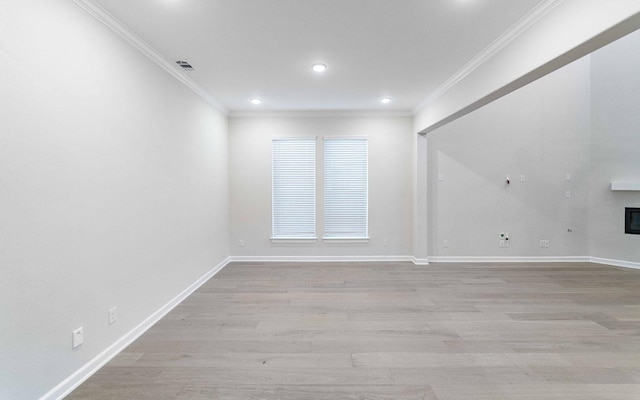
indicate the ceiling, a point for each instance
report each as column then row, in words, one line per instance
column 242, row 49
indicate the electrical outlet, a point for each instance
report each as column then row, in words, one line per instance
column 241, row 243
column 567, row 194
column 113, row 315
column 522, row 178
column 77, row 338
column 385, row 243
column 544, row 244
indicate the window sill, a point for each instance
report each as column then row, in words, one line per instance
column 293, row 240
column 346, row 240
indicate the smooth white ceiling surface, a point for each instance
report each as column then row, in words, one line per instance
column 403, row 49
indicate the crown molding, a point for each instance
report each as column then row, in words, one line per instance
column 526, row 22
column 318, row 113
column 136, row 41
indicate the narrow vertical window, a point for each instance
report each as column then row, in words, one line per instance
column 294, row 188
column 346, row 188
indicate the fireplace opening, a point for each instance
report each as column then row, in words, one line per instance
column 632, row 221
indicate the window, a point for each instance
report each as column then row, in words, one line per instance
column 294, row 188
column 345, row 188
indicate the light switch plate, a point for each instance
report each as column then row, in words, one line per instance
column 113, row 315
column 77, row 338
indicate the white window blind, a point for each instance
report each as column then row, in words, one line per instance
column 294, row 188
column 345, row 188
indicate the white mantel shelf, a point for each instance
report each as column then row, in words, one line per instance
column 625, row 186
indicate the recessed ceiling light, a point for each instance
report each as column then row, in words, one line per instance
column 385, row 100
column 256, row 101
column 319, row 67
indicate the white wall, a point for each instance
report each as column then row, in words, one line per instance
column 390, row 184
column 615, row 147
column 114, row 182
column 540, row 131
column 583, row 119
column 113, row 190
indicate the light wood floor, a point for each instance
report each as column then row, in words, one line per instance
column 391, row 331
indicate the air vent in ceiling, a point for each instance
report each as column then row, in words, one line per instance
column 184, row 65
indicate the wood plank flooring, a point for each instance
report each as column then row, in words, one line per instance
column 390, row 331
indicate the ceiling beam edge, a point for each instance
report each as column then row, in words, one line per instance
column 519, row 64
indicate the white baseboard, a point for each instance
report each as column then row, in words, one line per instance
column 506, row 259
column 321, row 259
column 580, row 259
column 615, row 263
column 81, row 375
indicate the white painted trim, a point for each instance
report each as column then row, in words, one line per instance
column 506, row 259
column 420, row 261
column 345, row 240
column 423, row 261
column 136, row 41
column 501, row 42
column 580, row 259
column 304, row 259
column 293, row 240
column 77, row 378
column 625, row 186
column 319, row 114
column 615, row 263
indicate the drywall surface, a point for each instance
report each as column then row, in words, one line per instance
column 114, row 190
column 535, row 136
column 615, row 147
column 390, row 184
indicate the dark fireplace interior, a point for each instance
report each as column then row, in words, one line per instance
column 632, row 221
